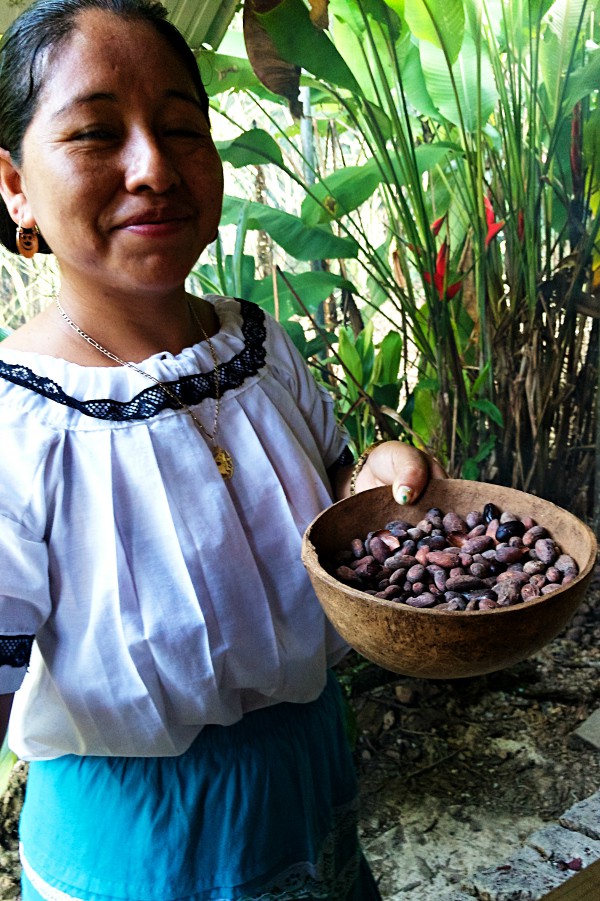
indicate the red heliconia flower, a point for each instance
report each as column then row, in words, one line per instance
column 445, row 292
column 520, row 225
column 436, row 226
column 492, row 227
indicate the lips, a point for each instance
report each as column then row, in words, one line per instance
column 155, row 216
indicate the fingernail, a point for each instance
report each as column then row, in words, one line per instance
column 403, row 494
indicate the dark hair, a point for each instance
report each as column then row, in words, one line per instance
column 24, row 49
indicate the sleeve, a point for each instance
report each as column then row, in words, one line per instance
column 313, row 400
column 24, row 599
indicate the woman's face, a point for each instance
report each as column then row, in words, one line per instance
column 119, row 169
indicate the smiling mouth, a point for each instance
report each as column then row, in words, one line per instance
column 155, row 219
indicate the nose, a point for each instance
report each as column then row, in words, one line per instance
column 148, row 164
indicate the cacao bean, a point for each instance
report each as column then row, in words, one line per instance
column 546, row 550
column 490, row 512
column 426, row 599
column 452, row 522
column 485, row 561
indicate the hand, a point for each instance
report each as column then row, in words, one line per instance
column 402, row 466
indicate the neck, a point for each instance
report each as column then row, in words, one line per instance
column 132, row 328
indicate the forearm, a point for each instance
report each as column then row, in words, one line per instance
column 340, row 482
column 5, row 707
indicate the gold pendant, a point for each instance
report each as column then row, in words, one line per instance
column 224, row 461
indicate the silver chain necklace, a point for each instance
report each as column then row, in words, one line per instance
column 221, row 456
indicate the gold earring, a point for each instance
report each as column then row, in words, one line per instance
column 27, row 241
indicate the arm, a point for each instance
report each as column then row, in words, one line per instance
column 5, row 707
column 392, row 463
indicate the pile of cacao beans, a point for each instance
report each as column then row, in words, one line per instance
column 488, row 559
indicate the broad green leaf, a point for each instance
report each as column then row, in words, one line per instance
column 583, row 81
column 252, row 148
column 296, row 333
column 413, row 79
column 222, row 73
column 480, row 381
column 490, row 410
column 470, row 470
column 485, row 450
column 438, row 22
column 239, row 275
column 299, row 42
column 208, row 277
column 426, row 419
column 397, row 6
column 467, row 81
column 311, row 287
column 353, row 44
column 364, row 346
column 553, row 59
column 387, row 363
column 340, row 193
column 290, row 232
column 354, row 14
column 564, row 17
column 351, row 361
column 426, row 158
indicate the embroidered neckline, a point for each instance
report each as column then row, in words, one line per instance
column 190, row 389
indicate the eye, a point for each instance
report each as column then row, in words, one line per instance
column 95, row 134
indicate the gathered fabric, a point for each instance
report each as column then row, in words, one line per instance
column 161, row 598
column 265, row 809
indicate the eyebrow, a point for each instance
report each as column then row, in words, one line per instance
column 83, row 99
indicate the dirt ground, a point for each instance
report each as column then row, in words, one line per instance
column 454, row 775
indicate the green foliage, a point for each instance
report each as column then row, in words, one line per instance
column 476, row 129
column 370, row 379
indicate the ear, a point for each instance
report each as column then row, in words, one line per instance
column 12, row 190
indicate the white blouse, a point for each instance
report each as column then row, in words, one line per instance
column 161, row 597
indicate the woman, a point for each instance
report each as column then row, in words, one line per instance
column 162, row 455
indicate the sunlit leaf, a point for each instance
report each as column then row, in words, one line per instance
column 340, row 193
column 566, row 16
column 469, row 84
column 311, row 287
column 221, row 73
column 252, row 148
column 290, row 232
column 438, row 22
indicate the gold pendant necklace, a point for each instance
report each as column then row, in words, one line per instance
column 222, row 457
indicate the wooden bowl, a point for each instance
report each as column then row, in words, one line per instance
column 433, row 644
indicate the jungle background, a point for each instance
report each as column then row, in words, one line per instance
column 412, row 190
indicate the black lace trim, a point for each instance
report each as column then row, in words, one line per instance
column 15, row 650
column 190, row 390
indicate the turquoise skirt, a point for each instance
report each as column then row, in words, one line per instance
column 264, row 809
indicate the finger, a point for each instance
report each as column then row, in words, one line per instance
column 403, row 467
